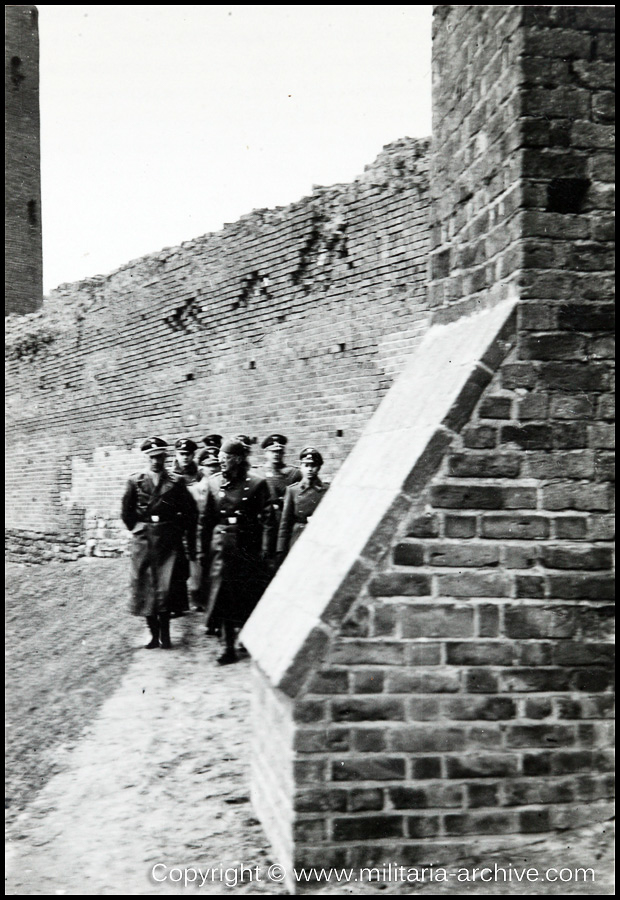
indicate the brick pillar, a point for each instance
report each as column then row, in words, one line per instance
column 437, row 645
column 23, row 275
column 476, row 159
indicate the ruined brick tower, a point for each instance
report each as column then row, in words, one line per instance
column 24, row 269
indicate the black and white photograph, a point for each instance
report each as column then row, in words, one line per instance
column 309, row 405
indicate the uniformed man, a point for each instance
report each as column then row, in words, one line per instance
column 208, row 460
column 195, row 478
column 300, row 501
column 208, row 457
column 160, row 513
column 238, row 524
column 278, row 475
column 246, row 440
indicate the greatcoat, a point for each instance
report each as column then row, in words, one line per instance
column 278, row 479
column 237, row 525
column 300, row 502
column 159, row 514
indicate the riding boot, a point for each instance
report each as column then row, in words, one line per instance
column 229, row 655
column 151, row 621
column 164, row 630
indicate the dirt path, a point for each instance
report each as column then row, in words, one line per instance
column 160, row 777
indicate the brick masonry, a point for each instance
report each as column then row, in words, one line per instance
column 295, row 319
column 450, row 674
column 469, row 688
column 475, row 183
column 23, row 276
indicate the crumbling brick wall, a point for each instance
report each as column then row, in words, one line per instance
column 23, row 274
column 294, row 319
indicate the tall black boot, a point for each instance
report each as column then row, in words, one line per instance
column 151, row 621
column 229, row 655
column 164, row 630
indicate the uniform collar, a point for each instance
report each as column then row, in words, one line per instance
column 161, row 480
column 191, row 470
column 239, row 478
column 316, row 485
column 275, row 468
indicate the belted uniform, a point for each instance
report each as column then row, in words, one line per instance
column 159, row 514
column 278, row 479
column 300, row 502
column 238, row 525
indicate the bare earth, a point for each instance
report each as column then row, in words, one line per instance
column 120, row 760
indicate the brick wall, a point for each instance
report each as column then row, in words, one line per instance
column 476, row 160
column 23, row 278
column 449, row 613
column 294, row 319
column 43, row 546
column 469, row 691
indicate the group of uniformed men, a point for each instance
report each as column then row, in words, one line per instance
column 212, row 530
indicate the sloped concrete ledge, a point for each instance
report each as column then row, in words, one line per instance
column 399, row 451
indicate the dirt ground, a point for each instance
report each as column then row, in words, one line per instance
column 120, row 760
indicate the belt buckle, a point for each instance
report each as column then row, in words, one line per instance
column 155, row 519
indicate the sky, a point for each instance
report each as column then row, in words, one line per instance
column 162, row 123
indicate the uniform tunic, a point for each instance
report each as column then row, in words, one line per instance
column 300, row 502
column 278, row 480
column 159, row 515
column 238, row 522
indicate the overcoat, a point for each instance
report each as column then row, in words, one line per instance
column 159, row 515
column 278, row 480
column 238, row 526
column 300, row 502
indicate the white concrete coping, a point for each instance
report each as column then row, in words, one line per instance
column 400, row 448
